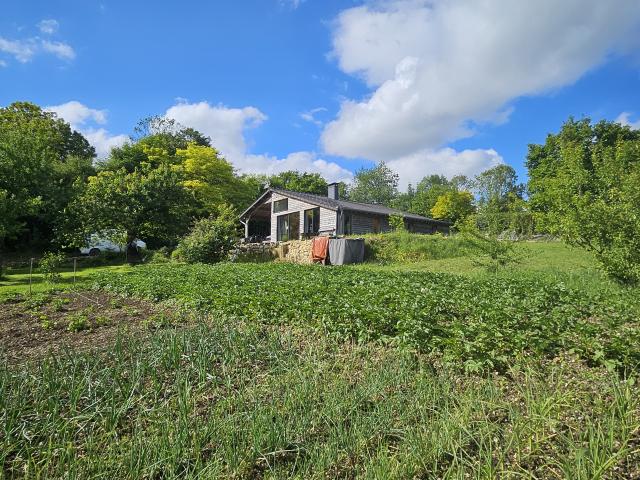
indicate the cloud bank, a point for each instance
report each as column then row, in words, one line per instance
column 437, row 70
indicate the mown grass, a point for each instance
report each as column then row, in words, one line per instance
column 246, row 400
column 16, row 281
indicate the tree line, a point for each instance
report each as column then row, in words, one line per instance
column 583, row 186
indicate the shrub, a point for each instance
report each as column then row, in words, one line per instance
column 396, row 222
column 210, row 240
column 162, row 255
column 488, row 251
column 403, row 246
column 50, row 264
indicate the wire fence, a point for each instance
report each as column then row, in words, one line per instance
column 73, row 265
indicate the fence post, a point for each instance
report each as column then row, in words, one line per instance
column 30, row 275
column 75, row 260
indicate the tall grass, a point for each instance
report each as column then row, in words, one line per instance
column 403, row 246
column 222, row 400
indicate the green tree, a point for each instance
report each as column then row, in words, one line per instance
column 453, row 206
column 41, row 161
column 404, row 201
column 584, row 185
column 149, row 203
column 299, row 182
column 427, row 192
column 375, row 185
column 207, row 176
column 496, row 188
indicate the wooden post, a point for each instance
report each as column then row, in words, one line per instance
column 30, row 275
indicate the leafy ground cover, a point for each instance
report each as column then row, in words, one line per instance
column 249, row 400
column 483, row 321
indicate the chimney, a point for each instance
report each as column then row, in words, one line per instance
column 332, row 191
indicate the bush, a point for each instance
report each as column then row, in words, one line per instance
column 488, row 251
column 50, row 264
column 210, row 240
column 403, row 246
column 162, row 255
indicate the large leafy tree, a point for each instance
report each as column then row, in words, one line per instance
column 41, row 162
column 584, row 185
column 454, row 206
column 428, row 190
column 496, row 190
column 299, row 182
column 149, row 203
column 375, row 185
column 209, row 177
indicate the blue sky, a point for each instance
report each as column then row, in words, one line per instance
column 448, row 87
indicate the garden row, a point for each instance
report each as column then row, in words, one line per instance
column 485, row 321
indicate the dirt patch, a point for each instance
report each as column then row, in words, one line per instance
column 34, row 327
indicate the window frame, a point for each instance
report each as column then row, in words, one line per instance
column 313, row 221
column 276, row 203
column 289, row 224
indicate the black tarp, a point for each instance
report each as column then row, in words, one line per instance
column 346, row 250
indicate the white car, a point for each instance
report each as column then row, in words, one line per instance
column 98, row 244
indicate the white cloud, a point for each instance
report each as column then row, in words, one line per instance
column 61, row 50
column 438, row 69
column 292, row 3
column 445, row 161
column 226, row 127
column 76, row 113
column 625, row 119
column 310, row 116
column 22, row 50
column 48, row 26
column 103, row 141
column 84, row 120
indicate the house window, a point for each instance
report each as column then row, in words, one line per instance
column 312, row 221
column 346, row 224
column 281, row 205
column 288, row 227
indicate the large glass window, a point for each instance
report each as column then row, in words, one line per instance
column 281, row 205
column 288, row 227
column 312, row 221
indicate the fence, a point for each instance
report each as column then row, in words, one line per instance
column 73, row 265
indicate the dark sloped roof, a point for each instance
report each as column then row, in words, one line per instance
column 332, row 204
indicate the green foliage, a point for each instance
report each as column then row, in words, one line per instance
column 50, row 264
column 377, row 185
column 41, row 159
column 299, row 182
column 492, row 253
column 404, row 247
column 77, row 322
column 210, row 240
column 242, row 400
column 396, row 222
column 149, row 203
column 585, row 187
column 485, row 322
column 454, row 206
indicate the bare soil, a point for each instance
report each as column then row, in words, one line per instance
column 33, row 328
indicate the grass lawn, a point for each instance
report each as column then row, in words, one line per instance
column 16, row 281
column 403, row 370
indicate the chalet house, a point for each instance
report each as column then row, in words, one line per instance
column 283, row 215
